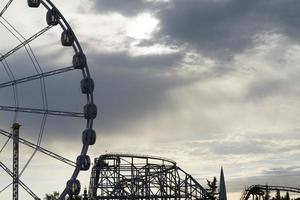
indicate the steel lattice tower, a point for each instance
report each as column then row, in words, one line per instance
column 15, row 136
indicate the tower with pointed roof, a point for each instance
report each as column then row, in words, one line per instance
column 222, row 188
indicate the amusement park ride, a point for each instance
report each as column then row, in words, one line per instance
column 79, row 63
column 113, row 176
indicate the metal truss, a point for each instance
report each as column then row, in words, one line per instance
column 5, row 7
column 126, row 176
column 36, row 76
column 25, row 187
column 41, row 111
column 261, row 192
column 33, row 37
column 40, row 149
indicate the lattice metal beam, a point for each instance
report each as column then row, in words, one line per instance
column 40, row 149
column 25, row 187
column 33, row 37
column 41, row 111
column 5, row 7
column 35, row 77
column 15, row 174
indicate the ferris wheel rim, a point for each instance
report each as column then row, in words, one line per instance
column 85, row 73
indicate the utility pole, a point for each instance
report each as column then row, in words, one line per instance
column 15, row 137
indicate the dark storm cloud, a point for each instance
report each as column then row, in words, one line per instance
column 125, row 7
column 226, row 27
column 215, row 28
column 128, row 88
column 221, row 27
column 124, row 60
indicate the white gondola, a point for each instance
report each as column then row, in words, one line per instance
column 34, row 3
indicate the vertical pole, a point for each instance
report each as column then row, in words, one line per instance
column 15, row 136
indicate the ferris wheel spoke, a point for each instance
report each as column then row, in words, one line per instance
column 41, row 111
column 19, row 36
column 23, row 185
column 4, row 145
column 3, row 189
column 5, row 7
column 40, row 149
column 33, row 37
column 35, row 77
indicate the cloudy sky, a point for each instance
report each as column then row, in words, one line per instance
column 207, row 83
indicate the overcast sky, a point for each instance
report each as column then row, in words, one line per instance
column 207, row 83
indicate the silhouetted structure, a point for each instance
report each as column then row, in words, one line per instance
column 15, row 172
column 222, row 188
column 262, row 192
column 126, row 176
column 79, row 63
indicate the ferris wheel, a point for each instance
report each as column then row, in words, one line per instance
column 18, row 103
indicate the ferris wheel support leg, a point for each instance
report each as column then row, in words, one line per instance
column 16, row 128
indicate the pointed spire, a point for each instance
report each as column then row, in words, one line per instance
column 222, row 194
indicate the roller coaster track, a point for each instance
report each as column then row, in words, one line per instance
column 131, row 176
column 262, row 189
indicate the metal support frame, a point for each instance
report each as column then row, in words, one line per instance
column 36, row 77
column 41, row 111
column 25, row 187
column 5, row 7
column 33, row 37
column 121, row 176
column 262, row 192
column 88, row 114
column 15, row 137
column 40, row 149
